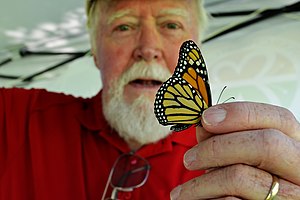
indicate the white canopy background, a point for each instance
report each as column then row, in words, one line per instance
column 260, row 62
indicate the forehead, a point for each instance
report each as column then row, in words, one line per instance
column 140, row 7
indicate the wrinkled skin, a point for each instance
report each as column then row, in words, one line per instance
column 241, row 145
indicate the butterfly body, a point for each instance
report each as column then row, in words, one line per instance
column 181, row 100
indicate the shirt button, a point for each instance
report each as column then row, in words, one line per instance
column 133, row 162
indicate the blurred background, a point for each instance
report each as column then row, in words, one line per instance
column 251, row 46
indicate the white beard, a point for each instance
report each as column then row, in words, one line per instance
column 135, row 122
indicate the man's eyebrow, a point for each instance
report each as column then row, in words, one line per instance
column 171, row 11
column 174, row 11
column 118, row 15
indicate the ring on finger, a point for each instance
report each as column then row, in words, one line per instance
column 274, row 188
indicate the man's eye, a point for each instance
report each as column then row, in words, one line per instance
column 172, row 26
column 123, row 27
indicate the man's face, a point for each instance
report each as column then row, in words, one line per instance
column 136, row 49
column 131, row 31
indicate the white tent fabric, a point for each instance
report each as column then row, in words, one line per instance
column 257, row 63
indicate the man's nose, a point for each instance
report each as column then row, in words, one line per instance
column 148, row 46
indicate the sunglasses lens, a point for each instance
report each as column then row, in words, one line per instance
column 129, row 171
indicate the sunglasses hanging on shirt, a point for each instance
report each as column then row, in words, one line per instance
column 129, row 171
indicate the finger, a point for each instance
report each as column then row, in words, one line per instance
column 240, row 181
column 237, row 116
column 202, row 134
column 267, row 149
column 226, row 198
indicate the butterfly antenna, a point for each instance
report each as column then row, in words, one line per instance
column 230, row 98
column 221, row 93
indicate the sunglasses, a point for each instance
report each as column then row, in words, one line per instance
column 129, row 171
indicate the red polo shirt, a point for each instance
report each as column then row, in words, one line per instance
column 54, row 146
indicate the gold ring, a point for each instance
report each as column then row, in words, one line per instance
column 274, row 188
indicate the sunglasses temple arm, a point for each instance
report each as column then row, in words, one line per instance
column 114, row 194
column 107, row 184
column 124, row 177
column 145, row 167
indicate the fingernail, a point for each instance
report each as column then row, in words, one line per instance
column 175, row 193
column 189, row 157
column 213, row 116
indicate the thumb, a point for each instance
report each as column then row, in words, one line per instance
column 240, row 116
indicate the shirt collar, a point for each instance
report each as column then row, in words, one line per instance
column 185, row 138
column 91, row 116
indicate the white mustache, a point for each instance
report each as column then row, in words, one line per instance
column 143, row 70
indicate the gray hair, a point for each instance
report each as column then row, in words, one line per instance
column 92, row 17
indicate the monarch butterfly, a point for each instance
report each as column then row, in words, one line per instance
column 181, row 100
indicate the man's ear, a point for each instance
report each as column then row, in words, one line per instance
column 95, row 58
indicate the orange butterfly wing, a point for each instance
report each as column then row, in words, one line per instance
column 181, row 100
column 191, row 67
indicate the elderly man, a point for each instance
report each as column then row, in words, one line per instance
column 54, row 146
